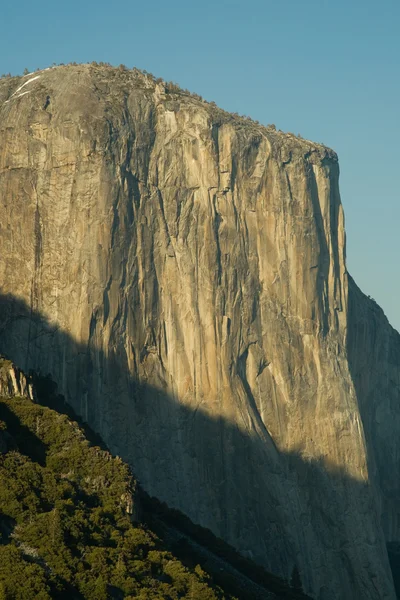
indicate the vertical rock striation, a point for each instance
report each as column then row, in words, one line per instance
column 181, row 275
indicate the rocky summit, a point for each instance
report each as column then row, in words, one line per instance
column 180, row 273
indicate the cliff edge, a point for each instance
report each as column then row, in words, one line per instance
column 180, row 272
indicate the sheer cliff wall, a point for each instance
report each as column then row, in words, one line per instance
column 181, row 275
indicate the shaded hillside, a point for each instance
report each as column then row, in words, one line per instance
column 69, row 519
column 66, row 511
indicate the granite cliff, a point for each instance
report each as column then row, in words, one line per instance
column 180, row 273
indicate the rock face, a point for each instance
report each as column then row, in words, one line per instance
column 181, row 275
column 13, row 382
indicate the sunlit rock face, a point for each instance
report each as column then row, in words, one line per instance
column 181, row 275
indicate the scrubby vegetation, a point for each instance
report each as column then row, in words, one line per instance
column 67, row 519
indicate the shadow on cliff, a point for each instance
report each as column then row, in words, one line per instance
column 373, row 350
column 255, row 512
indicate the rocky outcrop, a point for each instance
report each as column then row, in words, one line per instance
column 181, row 275
column 13, row 382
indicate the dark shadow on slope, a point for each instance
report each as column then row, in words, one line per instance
column 394, row 560
column 194, row 545
column 148, row 429
column 7, row 526
column 26, row 442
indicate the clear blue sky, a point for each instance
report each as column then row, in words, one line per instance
column 327, row 70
